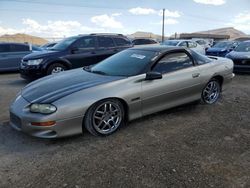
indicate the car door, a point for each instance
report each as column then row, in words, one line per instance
column 106, row 47
column 180, row 83
column 17, row 52
column 82, row 52
column 11, row 56
column 4, row 50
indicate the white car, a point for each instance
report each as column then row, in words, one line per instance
column 204, row 43
column 186, row 43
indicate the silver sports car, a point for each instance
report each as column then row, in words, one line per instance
column 129, row 85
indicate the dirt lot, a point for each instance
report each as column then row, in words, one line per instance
column 190, row 146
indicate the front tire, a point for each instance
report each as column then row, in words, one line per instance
column 104, row 117
column 212, row 91
column 56, row 68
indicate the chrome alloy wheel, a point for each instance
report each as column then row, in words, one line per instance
column 56, row 70
column 211, row 92
column 107, row 117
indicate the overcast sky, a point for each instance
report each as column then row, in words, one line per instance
column 54, row 18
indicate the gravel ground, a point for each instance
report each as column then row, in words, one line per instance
column 190, row 146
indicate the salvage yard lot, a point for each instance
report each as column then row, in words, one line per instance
column 190, row 146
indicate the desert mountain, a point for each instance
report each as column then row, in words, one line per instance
column 23, row 38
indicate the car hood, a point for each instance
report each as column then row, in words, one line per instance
column 239, row 55
column 216, row 49
column 42, row 54
column 54, row 87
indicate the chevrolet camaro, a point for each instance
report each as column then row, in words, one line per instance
column 131, row 84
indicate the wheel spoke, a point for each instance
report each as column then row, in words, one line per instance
column 211, row 92
column 107, row 117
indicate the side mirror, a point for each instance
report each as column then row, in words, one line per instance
column 153, row 76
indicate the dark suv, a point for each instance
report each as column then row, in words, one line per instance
column 73, row 52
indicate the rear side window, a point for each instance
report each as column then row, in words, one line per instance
column 85, row 42
column 138, row 42
column 121, row 41
column 152, row 42
column 183, row 44
column 105, row 42
column 19, row 48
column 4, row 48
column 173, row 62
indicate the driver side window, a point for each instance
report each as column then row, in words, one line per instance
column 173, row 62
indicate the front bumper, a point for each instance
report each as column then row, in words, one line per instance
column 21, row 118
column 31, row 72
column 242, row 68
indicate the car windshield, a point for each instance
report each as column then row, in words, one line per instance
column 64, row 44
column 243, row 47
column 223, row 45
column 126, row 63
column 170, row 43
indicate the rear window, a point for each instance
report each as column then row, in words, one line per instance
column 121, row 41
column 4, row 48
column 19, row 48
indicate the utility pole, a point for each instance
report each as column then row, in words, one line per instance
column 163, row 24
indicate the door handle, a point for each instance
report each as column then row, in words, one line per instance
column 196, row 75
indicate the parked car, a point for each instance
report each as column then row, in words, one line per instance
column 185, row 43
column 48, row 45
column 11, row 55
column 204, row 43
column 221, row 49
column 128, row 85
column 241, row 57
column 144, row 41
column 73, row 52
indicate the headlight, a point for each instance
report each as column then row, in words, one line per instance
column 34, row 62
column 42, row 108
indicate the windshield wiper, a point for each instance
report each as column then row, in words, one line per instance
column 98, row 72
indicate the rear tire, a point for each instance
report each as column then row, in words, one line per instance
column 104, row 117
column 56, row 68
column 211, row 93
